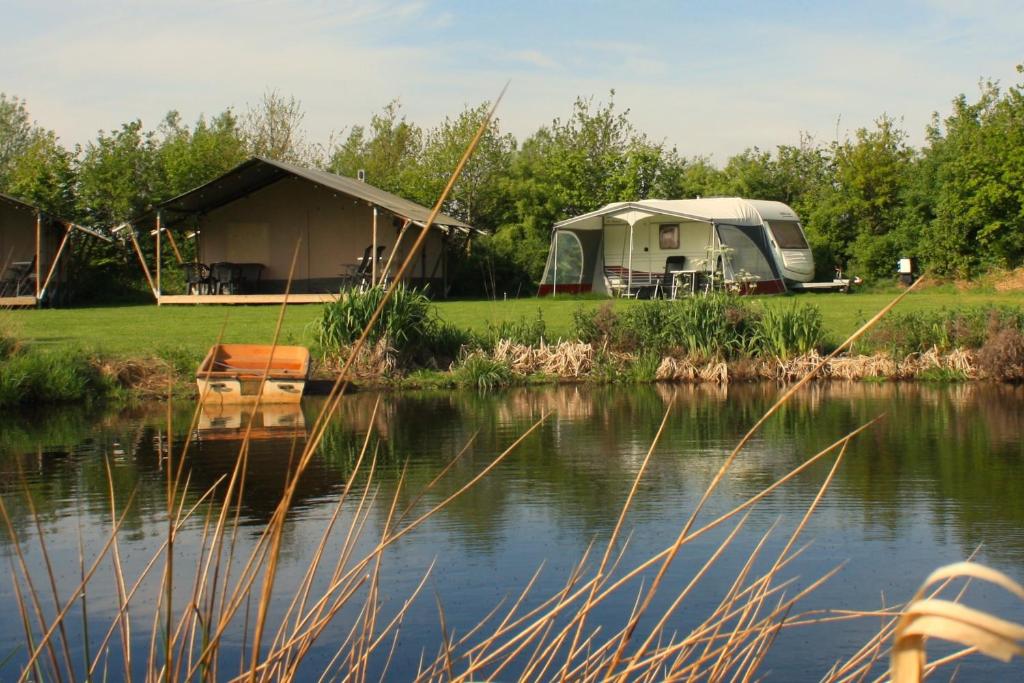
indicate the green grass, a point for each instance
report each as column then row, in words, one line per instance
column 140, row 331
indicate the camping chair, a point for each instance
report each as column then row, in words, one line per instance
column 197, row 278
column 673, row 266
column 249, row 276
column 225, row 278
column 19, row 279
column 355, row 273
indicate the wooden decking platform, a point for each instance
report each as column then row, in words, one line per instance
column 244, row 299
column 17, row 301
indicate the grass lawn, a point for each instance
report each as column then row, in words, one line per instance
column 147, row 330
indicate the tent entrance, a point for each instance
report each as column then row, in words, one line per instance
column 572, row 262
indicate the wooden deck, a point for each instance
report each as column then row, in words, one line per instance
column 17, row 301
column 243, row 299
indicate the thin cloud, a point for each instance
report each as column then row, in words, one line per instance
column 706, row 80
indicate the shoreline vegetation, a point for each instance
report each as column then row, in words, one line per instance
column 719, row 339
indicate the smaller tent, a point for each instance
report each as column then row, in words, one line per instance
column 629, row 247
column 33, row 254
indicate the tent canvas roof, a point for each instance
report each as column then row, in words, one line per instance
column 17, row 203
column 259, row 172
column 731, row 210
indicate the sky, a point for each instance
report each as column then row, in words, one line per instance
column 711, row 78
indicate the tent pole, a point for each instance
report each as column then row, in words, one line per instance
column 142, row 260
column 53, row 266
column 629, row 275
column 158, row 289
column 39, row 249
column 373, row 251
column 174, row 245
column 554, row 277
column 394, row 249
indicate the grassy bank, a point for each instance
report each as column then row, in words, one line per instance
column 98, row 350
column 132, row 331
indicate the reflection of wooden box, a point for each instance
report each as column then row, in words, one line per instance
column 230, row 422
column 233, row 373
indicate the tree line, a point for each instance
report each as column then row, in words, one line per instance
column 956, row 202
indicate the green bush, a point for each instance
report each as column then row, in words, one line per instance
column 645, row 367
column 526, row 331
column 34, row 376
column 8, row 345
column 902, row 334
column 788, row 332
column 477, row 370
column 717, row 326
column 405, row 320
column 595, row 326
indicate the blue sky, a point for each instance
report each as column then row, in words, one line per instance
column 710, row 78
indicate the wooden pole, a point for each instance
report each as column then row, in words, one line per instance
column 174, row 245
column 394, row 249
column 373, row 251
column 142, row 260
column 39, row 249
column 53, row 266
column 158, row 290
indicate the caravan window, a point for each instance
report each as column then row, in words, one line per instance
column 668, row 236
column 788, row 235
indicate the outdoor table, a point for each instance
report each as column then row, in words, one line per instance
column 678, row 275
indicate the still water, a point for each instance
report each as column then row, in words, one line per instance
column 941, row 476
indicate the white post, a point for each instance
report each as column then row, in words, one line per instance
column 629, row 275
column 373, row 251
column 554, row 280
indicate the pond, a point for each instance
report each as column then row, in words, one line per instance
column 939, row 477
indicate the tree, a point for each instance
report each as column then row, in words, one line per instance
column 387, row 152
column 577, row 165
column 478, row 196
column 118, row 175
column 43, row 175
column 975, row 164
column 273, row 128
column 187, row 158
column 16, row 133
column 858, row 219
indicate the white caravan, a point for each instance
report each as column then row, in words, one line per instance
column 635, row 247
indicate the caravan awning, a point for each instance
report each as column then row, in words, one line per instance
column 725, row 210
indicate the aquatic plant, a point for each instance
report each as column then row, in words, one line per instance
column 945, row 329
column 484, row 373
column 405, row 318
column 526, row 331
column 788, row 332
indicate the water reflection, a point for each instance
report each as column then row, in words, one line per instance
column 939, row 475
column 957, row 447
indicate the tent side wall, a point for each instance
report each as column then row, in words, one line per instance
column 18, row 242
column 334, row 230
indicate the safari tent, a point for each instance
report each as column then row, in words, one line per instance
column 654, row 246
column 247, row 224
column 34, row 247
